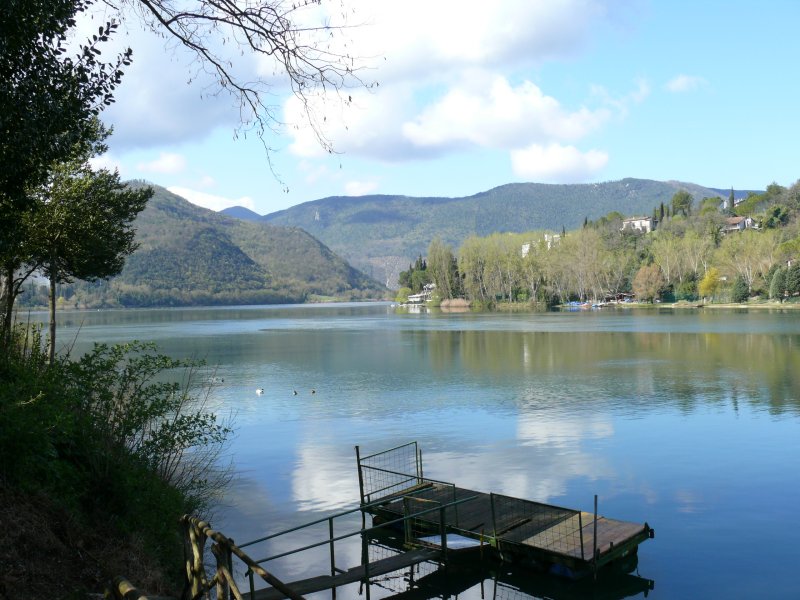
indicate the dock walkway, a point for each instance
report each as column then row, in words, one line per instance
column 519, row 530
column 357, row 573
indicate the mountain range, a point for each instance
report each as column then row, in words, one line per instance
column 382, row 234
column 192, row 255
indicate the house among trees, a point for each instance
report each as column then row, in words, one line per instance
column 424, row 295
column 739, row 224
column 549, row 241
column 642, row 224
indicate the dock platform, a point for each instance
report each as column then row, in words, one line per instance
column 561, row 540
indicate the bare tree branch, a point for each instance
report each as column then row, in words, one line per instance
column 311, row 59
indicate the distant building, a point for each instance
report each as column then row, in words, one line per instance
column 424, row 295
column 643, row 224
column 739, row 224
column 549, row 240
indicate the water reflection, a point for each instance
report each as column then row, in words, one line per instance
column 688, row 420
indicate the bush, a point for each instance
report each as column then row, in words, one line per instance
column 686, row 290
column 117, row 437
column 740, row 292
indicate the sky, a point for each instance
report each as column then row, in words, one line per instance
column 472, row 95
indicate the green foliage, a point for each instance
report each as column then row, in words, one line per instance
column 416, row 276
column 47, row 97
column 402, row 226
column 686, row 290
column 682, row 203
column 117, row 437
column 777, row 286
column 189, row 255
column 402, row 294
column 740, row 291
column 648, row 283
column 710, row 205
column 710, row 284
column 793, row 279
column 776, row 216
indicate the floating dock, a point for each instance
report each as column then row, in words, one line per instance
column 554, row 539
column 418, row 520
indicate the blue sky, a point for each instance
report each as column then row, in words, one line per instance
column 474, row 95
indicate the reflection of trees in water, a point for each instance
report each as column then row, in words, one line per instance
column 643, row 368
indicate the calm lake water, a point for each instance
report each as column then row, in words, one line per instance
column 687, row 420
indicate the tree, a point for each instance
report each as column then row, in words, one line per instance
column 750, row 254
column 710, row 205
column 472, row 265
column 710, row 283
column 740, row 290
column 440, row 266
column 775, row 216
column 777, row 286
column 47, row 101
column 648, row 283
column 46, row 97
column 82, row 227
column 668, row 255
column 682, row 203
column 793, row 279
column 696, row 250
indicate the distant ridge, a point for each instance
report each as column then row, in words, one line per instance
column 382, row 234
column 240, row 212
column 190, row 255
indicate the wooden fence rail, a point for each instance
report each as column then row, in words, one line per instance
column 122, row 589
column 198, row 584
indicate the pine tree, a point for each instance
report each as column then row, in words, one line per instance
column 777, row 286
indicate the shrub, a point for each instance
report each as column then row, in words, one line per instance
column 121, row 436
column 740, row 292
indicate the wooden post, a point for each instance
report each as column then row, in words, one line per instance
column 333, row 553
column 194, row 541
column 594, row 553
column 223, row 589
column 443, row 533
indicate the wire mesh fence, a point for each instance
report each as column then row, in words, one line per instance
column 539, row 525
column 401, row 580
column 422, row 518
column 504, row 591
column 389, row 472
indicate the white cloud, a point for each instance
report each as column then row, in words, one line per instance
column 685, row 83
column 445, row 89
column 495, row 114
column 166, row 163
column 206, row 181
column 557, row 164
column 108, row 162
column 163, row 98
column 211, row 201
column 370, row 126
column 449, row 35
column 360, row 188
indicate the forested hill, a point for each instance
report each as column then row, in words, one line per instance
column 381, row 234
column 191, row 255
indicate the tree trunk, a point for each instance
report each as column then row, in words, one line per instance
column 52, row 355
column 8, row 302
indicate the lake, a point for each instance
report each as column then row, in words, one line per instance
column 688, row 420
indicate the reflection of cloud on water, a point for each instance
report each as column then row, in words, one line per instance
column 688, row 502
column 539, row 468
column 247, row 512
column 547, row 430
column 325, row 477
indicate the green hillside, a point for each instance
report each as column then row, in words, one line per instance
column 191, row 255
column 381, row 235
